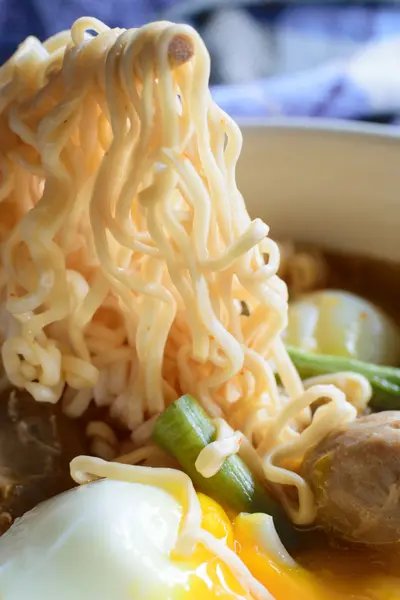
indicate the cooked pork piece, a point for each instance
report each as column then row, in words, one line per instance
column 355, row 475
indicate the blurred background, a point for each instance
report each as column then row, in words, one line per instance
column 270, row 59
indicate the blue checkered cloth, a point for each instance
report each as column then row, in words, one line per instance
column 269, row 59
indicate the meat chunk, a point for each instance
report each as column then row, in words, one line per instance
column 37, row 443
column 355, row 475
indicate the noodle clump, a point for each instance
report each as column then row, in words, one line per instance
column 127, row 250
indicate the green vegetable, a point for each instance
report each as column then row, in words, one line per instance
column 385, row 381
column 183, row 430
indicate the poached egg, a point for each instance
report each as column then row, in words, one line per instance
column 343, row 324
column 115, row 540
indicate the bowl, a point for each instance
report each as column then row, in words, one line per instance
column 333, row 184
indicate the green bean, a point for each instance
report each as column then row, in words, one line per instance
column 183, row 430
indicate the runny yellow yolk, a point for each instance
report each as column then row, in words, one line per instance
column 211, row 579
column 282, row 582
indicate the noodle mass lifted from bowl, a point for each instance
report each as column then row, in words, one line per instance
column 129, row 248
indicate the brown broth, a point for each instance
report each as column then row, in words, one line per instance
column 374, row 279
column 354, row 571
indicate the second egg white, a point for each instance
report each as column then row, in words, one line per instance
column 343, row 324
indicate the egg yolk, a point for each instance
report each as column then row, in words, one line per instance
column 282, row 582
column 209, row 577
column 212, row 579
column 215, row 520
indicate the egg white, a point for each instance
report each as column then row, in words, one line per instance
column 340, row 323
column 106, row 540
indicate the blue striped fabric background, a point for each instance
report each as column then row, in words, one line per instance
column 306, row 59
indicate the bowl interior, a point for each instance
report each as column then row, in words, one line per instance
column 336, row 188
